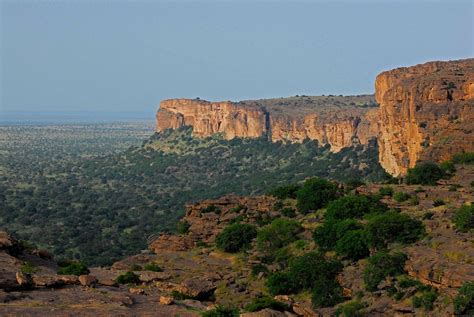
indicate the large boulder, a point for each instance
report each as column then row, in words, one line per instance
column 197, row 288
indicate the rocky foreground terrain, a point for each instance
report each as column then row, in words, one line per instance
column 189, row 275
column 425, row 112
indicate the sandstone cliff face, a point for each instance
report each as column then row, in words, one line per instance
column 426, row 113
column 339, row 125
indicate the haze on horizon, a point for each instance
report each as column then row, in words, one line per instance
column 127, row 56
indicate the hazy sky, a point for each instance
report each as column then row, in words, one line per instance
column 129, row 55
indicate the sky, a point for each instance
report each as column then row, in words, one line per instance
column 126, row 56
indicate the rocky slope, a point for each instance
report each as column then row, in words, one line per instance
column 426, row 113
column 337, row 121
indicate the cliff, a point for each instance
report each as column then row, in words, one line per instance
column 426, row 113
column 334, row 120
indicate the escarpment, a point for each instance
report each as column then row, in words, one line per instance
column 426, row 113
column 334, row 120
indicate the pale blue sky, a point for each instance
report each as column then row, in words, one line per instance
column 129, row 55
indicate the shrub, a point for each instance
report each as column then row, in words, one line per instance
column 28, row 268
column 326, row 292
column 280, row 283
column 316, row 193
column 262, row 302
column 211, row 208
column 393, row 227
column 152, row 266
column 303, row 274
column 279, row 233
column 386, row 191
column 454, row 187
column 284, row 192
column 464, row 158
column 353, row 183
column 236, row 237
column 438, row 202
column 448, row 167
column 183, row 227
column 288, row 212
column 73, row 268
column 353, row 206
column 259, row 268
column 425, row 300
column 464, row 218
column 128, row 278
column 136, row 267
column 401, row 196
column 351, row 309
column 464, row 301
column 425, row 173
column 353, row 245
column 428, row 215
column 327, row 235
column 414, row 201
column 381, row 265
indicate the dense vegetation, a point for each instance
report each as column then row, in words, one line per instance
column 101, row 204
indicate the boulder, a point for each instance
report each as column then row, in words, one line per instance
column 166, row 300
column 265, row 313
column 88, row 280
column 69, row 279
column 23, row 279
column 197, row 288
column 305, row 310
column 148, row 276
column 47, row 281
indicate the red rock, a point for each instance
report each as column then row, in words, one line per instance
column 166, row 300
column 87, row 280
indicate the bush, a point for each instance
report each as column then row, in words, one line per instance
column 326, row 293
column 279, row 233
column 128, row 278
column 284, row 192
column 438, row 202
column 393, row 227
column 381, row 265
column 236, row 237
column 288, row 212
column 464, row 301
column 464, row 158
column 351, row 309
column 152, row 266
column 28, row 268
column 428, row 215
column 316, row 193
column 259, row 268
column 448, row 167
column 183, row 227
column 464, row 218
column 221, row 311
column 280, row 283
column 353, row 206
column 262, row 302
column 386, row 191
column 425, row 300
column 425, row 173
column 327, row 235
column 401, row 197
column 353, row 245
column 73, row 268
column 303, row 274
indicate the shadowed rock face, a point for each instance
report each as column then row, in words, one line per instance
column 337, row 121
column 426, row 113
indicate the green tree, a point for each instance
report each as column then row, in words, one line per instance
column 424, row 173
column 353, row 206
column 235, row 237
column 279, row 233
column 353, row 245
column 464, row 301
column 327, row 235
column 464, row 218
column 381, row 265
column 393, row 227
column 316, row 193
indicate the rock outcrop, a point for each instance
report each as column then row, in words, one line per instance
column 426, row 113
column 337, row 121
